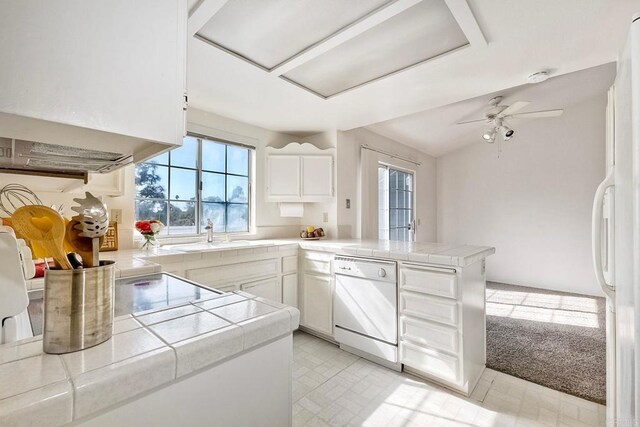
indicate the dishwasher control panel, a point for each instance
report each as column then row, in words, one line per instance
column 368, row 268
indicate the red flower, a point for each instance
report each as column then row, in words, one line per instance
column 144, row 227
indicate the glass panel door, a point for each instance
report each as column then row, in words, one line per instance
column 395, row 204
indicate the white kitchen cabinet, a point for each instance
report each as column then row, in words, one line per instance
column 222, row 275
column 107, row 184
column 269, row 288
column 442, row 324
column 317, row 176
column 316, row 305
column 290, row 289
column 92, row 74
column 283, row 177
column 300, row 173
column 316, row 287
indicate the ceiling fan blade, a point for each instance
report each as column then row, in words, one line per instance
column 472, row 121
column 516, row 106
column 538, row 114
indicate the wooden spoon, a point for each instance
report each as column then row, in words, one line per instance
column 44, row 226
column 83, row 246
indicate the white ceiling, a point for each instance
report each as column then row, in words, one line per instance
column 523, row 37
column 435, row 131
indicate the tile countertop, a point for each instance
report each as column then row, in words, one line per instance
column 432, row 253
column 131, row 262
column 148, row 350
column 135, row 262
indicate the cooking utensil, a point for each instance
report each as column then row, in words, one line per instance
column 44, row 226
column 13, row 196
column 83, row 246
column 93, row 220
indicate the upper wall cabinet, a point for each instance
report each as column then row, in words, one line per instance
column 101, row 75
column 299, row 173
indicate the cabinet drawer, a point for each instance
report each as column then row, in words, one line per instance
column 430, row 361
column 317, row 262
column 429, row 281
column 289, row 264
column 427, row 333
column 223, row 274
column 430, row 308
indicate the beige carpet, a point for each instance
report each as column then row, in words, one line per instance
column 550, row 338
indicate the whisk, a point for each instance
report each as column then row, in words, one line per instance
column 13, row 196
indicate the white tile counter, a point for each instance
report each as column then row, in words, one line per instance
column 148, row 350
column 457, row 255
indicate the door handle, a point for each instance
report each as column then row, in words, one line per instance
column 596, row 233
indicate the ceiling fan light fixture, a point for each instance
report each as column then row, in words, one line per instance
column 507, row 132
column 490, row 135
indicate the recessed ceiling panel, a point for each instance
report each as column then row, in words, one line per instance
column 268, row 32
column 422, row 32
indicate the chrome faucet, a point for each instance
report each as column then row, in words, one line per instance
column 209, row 229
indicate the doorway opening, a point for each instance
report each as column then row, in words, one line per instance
column 396, row 219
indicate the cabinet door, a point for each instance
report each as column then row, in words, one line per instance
column 283, row 177
column 317, row 176
column 107, row 76
column 317, row 303
column 266, row 288
column 290, row 289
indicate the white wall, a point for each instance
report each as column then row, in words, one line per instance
column 350, row 187
column 533, row 203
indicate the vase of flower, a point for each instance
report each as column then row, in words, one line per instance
column 149, row 228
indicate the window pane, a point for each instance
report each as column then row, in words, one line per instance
column 182, row 217
column 393, row 198
column 183, row 184
column 237, row 160
column 237, row 189
column 401, row 199
column 162, row 159
column 151, row 181
column 186, row 155
column 152, row 209
column 393, row 234
column 408, row 182
column 213, row 156
column 212, row 187
column 393, row 218
column 237, row 218
column 393, row 179
column 216, row 213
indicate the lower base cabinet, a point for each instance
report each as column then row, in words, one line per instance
column 265, row 288
column 290, row 290
column 316, row 303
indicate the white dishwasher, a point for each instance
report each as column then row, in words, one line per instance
column 366, row 308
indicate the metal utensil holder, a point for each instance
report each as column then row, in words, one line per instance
column 78, row 308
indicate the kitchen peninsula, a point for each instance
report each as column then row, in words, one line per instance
column 237, row 345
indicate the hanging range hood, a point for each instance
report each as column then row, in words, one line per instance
column 36, row 158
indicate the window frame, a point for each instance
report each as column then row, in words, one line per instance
column 199, row 187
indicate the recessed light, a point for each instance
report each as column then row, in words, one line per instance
column 538, row 77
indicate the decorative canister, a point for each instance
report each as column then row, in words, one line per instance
column 78, row 308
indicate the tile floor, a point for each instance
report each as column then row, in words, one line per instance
column 334, row 388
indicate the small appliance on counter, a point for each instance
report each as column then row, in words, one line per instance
column 17, row 267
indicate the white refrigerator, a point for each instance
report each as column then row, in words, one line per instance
column 616, row 237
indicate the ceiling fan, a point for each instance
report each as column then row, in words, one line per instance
column 496, row 115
